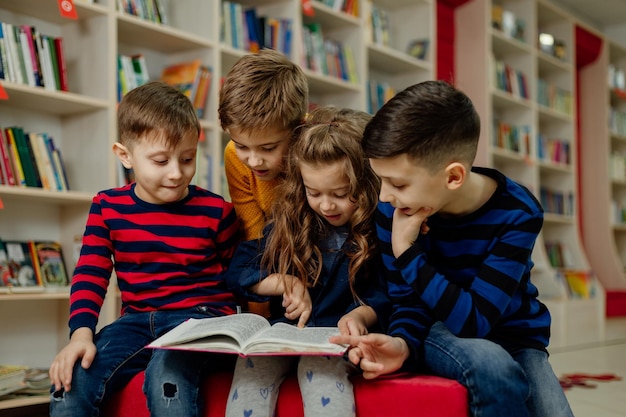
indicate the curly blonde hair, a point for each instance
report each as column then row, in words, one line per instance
column 329, row 135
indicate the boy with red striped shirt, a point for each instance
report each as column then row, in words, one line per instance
column 169, row 243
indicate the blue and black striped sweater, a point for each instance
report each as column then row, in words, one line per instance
column 470, row 272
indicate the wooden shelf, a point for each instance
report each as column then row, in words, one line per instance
column 16, row 401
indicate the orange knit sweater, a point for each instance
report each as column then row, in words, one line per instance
column 251, row 197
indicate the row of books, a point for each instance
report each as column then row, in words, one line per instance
column 579, row 284
column 132, row 72
column 31, row 266
column 556, row 201
column 554, row 97
column 151, row 10
column 327, row 56
column 554, row 150
column 379, row 25
column 512, row 137
column 617, row 122
column 31, row 160
column 32, row 58
column 378, row 93
column 244, row 28
column 510, row 80
column 192, row 78
column 559, row 254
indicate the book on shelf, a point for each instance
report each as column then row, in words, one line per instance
column 191, row 78
column 24, row 155
column 6, row 163
column 5, row 270
column 14, row 158
column 61, row 67
column 204, row 86
column 21, row 275
column 49, row 263
column 249, row 334
column 579, row 284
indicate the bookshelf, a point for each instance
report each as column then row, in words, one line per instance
column 603, row 144
column 525, row 95
column 617, row 141
column 83, row 119
column 389, row 66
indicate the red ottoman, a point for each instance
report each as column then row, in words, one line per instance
column 398, row 395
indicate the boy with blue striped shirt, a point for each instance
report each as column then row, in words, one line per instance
column 457, row 243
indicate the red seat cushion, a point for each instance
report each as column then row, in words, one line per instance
column 397, row 395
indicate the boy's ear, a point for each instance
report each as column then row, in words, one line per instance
column 123, row 154
column 455, row 175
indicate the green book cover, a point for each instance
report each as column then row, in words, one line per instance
column 25, row 156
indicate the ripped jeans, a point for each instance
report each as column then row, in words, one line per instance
column 121, row 355
column 173, row 381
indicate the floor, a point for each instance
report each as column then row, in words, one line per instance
column 606, row 398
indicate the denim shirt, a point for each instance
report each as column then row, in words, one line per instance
column 331, row 296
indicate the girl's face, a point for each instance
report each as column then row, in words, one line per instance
column 328, row 191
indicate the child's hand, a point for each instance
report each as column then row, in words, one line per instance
column 81, row 346
column 376, row 354
column 298, row 304
column 357, row 321
column 351, row 326
column 406, row 229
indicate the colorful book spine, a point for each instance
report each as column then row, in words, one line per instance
column 15, row 158
column 7, row 165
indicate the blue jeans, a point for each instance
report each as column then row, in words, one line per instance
column 121, row 355
column 499, row 383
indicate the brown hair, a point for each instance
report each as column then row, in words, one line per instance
column 156, row 107
column 263, row 90
column 330, row 135
column 432, row 122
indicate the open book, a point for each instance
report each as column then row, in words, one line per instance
column 249, row 334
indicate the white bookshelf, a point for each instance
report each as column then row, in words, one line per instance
column 83, row 120
column 480, row 49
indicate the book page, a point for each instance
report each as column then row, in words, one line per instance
column 239, row 327
column 286, row 338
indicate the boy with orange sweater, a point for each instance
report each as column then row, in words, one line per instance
column 263, row 98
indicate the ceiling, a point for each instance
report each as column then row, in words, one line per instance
column 598, row 13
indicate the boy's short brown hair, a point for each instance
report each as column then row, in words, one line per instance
column 156, row 107
column 433, row 122
column 263, row 90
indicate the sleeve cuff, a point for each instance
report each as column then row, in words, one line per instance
column 405, row 258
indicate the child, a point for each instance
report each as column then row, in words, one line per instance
column 263, row 98
column 318, row 256
column 464, row 305
column 169, row 243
